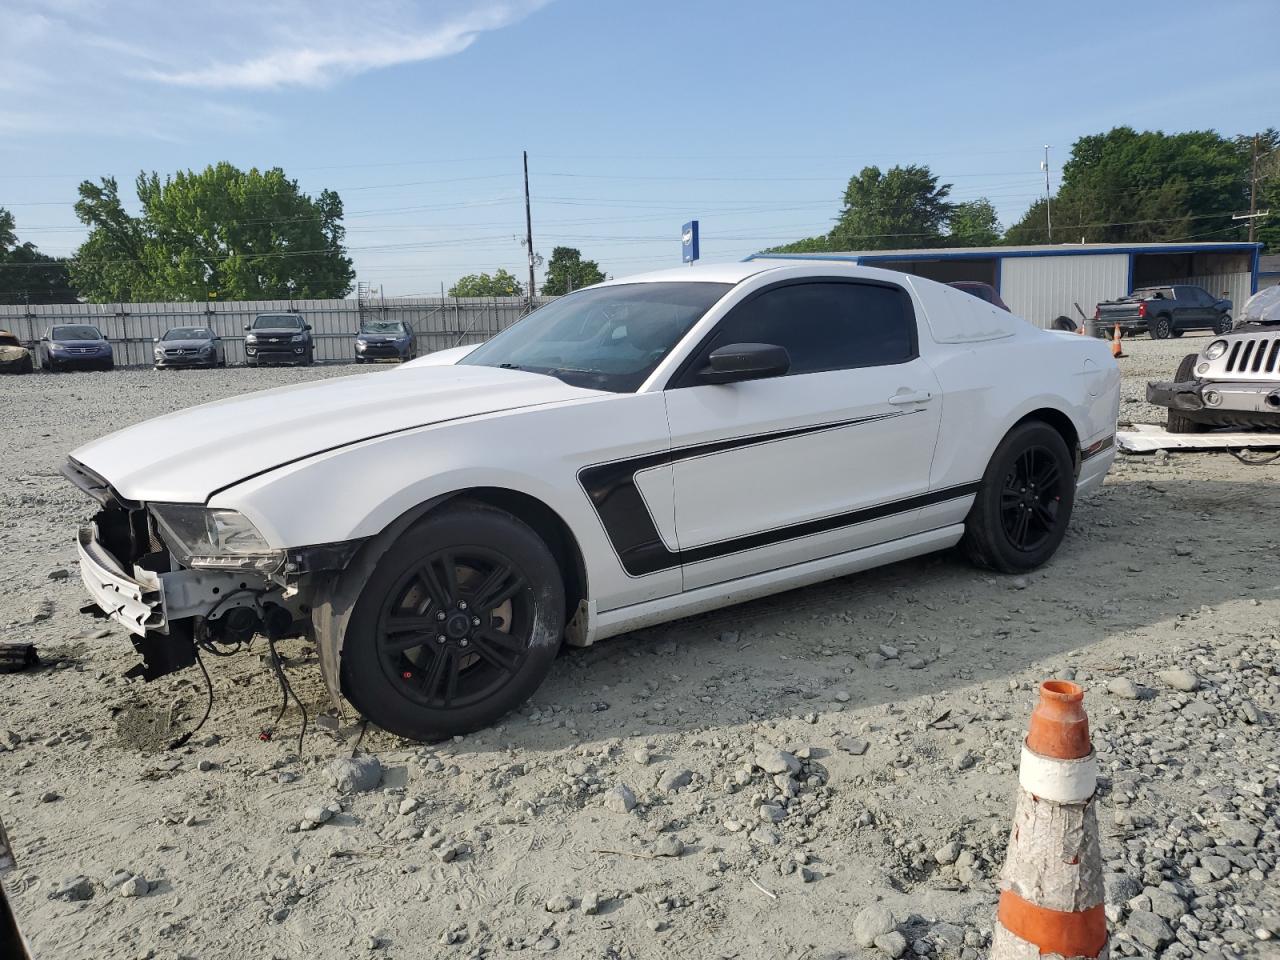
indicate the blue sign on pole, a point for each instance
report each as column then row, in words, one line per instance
column 689, row 241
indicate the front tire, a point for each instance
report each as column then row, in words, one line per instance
column 458, row 623
column 1178, row 422
column 1224, row 325
column 1024, row 501
column 1161, row 328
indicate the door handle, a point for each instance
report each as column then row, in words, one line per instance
column 910, row 396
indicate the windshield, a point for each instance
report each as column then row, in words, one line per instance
column 189, row 333
column 277, row 321
column 382, row 326
column 76, row 333
column 605, row 338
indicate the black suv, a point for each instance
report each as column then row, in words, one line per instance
column 278, row 338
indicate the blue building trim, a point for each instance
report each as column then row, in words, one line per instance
column 1257, row 262
column 1128, row 280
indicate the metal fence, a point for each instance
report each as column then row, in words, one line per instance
column 439, row 322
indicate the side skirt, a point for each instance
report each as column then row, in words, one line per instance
column 613, row 622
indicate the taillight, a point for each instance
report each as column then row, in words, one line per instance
column 1142, row 309
column 1097, row 313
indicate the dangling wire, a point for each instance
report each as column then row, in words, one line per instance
column 1239, row 455
column 286, row 690
column 183, row 740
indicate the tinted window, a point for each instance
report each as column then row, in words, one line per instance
column 608, row 337
column 382, row 326
column 1194, row 296
column 76, row 333
column 278, row 322
column 826, row 326
column 188, row 333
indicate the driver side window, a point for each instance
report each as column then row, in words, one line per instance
column 826, row 325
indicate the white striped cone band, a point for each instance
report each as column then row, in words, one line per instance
column 1061, row 781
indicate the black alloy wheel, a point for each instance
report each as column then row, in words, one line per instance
column 1161, row 328
column 456, row 624
column 1223, row 326
column 1031, row 498
column 452, row 632
column 1024, row 501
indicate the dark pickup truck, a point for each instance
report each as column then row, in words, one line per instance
column 1164, row 312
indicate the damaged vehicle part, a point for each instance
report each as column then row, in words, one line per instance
column 1234, row 381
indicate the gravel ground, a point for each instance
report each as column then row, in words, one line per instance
column 639, row 806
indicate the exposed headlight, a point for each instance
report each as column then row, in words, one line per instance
column 1216, row 349
column 361, row 345
column 251, row 338
column 298, row 337
column 206, row 348
column 214, row 539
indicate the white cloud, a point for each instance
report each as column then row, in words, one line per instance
column 151, row 68
column 347, row 42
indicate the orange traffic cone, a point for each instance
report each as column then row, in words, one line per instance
column 1116, row 351
column 1051, row 892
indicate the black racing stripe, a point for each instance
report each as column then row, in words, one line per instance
column 809, row 528
column 634, row 535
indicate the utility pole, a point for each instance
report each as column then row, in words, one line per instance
column 1048, row 214
column 1253, row 189
column 528, row 226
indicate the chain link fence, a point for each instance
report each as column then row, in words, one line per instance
column 439, row 322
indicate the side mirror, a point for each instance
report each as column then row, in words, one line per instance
column 155, row 339
column 247, row 327
column 306, row 326
column 105, row 337
column 745, row 361
column 44, row 339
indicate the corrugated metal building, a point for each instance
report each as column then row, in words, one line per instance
column 1269, row 270
column 1042, row 283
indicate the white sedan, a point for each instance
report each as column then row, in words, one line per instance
column 637, row 451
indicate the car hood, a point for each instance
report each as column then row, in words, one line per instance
column 184, row 344
column 79, row 343
column 186, row 457
column 275, row 331
column 9, row 352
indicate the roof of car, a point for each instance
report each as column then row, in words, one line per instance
column 737, row 271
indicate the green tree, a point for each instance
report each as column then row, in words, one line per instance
column 1266, row 229
column 973, row 224
column 234, row 234
column 501, row 284
column 901, row 207
column 820, row 244
column 566, row 270
column 1124, row 187
column 26, row 274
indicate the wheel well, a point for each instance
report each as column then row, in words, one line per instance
column 548, row 525
column 1060, row 422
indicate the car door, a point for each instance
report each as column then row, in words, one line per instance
column 830, row 457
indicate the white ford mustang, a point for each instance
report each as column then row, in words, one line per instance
column 637, row 451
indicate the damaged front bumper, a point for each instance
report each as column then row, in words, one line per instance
column 1193, row 396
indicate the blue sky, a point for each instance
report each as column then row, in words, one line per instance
column 748, row 115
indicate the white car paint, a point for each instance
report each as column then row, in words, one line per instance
column 338, row 460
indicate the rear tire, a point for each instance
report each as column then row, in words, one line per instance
column 458, row 623
column 1024, row 502
column 1178, row 422
column 1161, row 328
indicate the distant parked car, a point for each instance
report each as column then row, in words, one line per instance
column 190, row 347
column 385, row 340
column 75, row 345
column 278, row 338
column 1164, row 312
column 14, row 357
column 983, row 291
